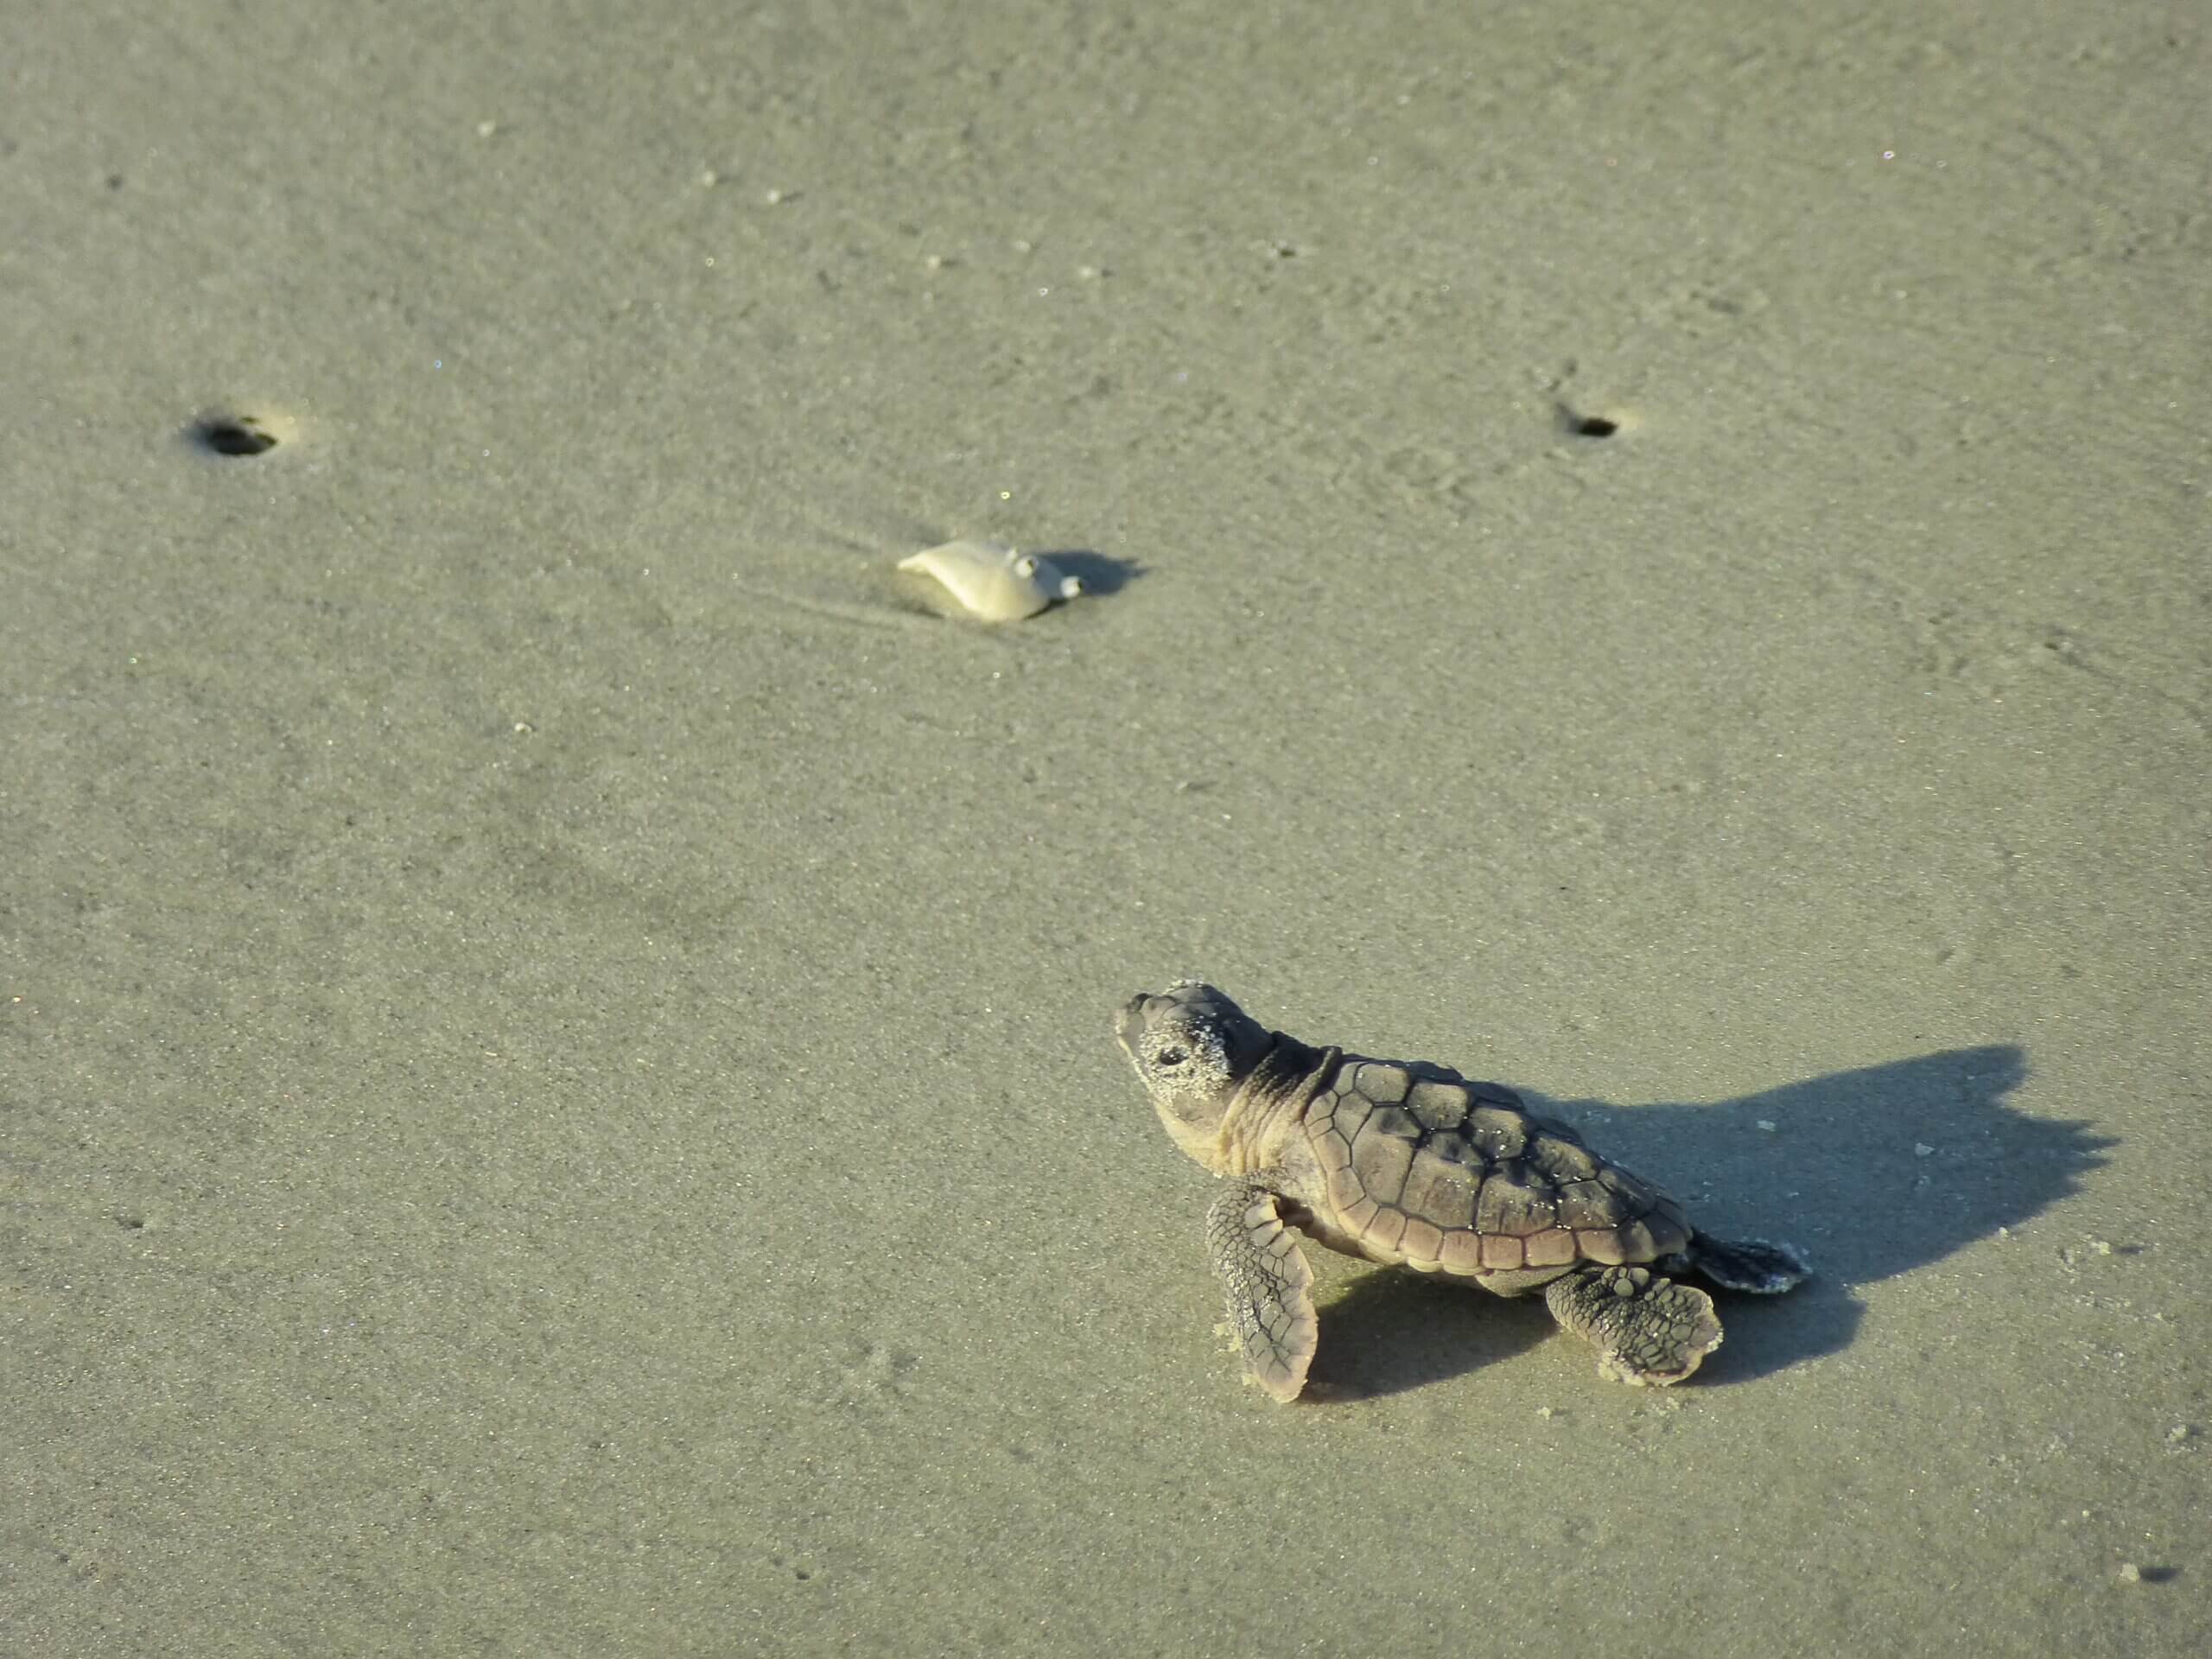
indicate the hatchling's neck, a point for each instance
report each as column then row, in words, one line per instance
column 1271, row 1105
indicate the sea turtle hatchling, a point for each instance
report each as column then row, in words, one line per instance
column 1412, row 1164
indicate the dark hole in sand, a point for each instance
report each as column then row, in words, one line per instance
column 223, row 435
column 1596, row 426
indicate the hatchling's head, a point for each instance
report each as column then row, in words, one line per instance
column 1193, row 1049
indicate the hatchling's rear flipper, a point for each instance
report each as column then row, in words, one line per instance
column 1269, row 1287
column 1648, row 1330
column 1750, row 1264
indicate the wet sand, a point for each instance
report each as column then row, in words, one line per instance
column 557, row 1087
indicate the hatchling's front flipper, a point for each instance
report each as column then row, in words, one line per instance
column 1269, row 1287
column 1647, row 1330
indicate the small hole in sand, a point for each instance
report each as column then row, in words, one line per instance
column 227, row 435
column 1596, row 426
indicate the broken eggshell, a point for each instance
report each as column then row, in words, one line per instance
column 996, row 583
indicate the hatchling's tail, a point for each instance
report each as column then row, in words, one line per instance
column 1757, row 1265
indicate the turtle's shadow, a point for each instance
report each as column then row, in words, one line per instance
column 1391, row 1331
column 1871, row 1172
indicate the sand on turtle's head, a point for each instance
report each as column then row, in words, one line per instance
column 1193, row 1049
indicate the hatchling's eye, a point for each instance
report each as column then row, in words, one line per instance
column 1170, row 1057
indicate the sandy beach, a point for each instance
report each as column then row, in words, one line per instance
column 557, row 1084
